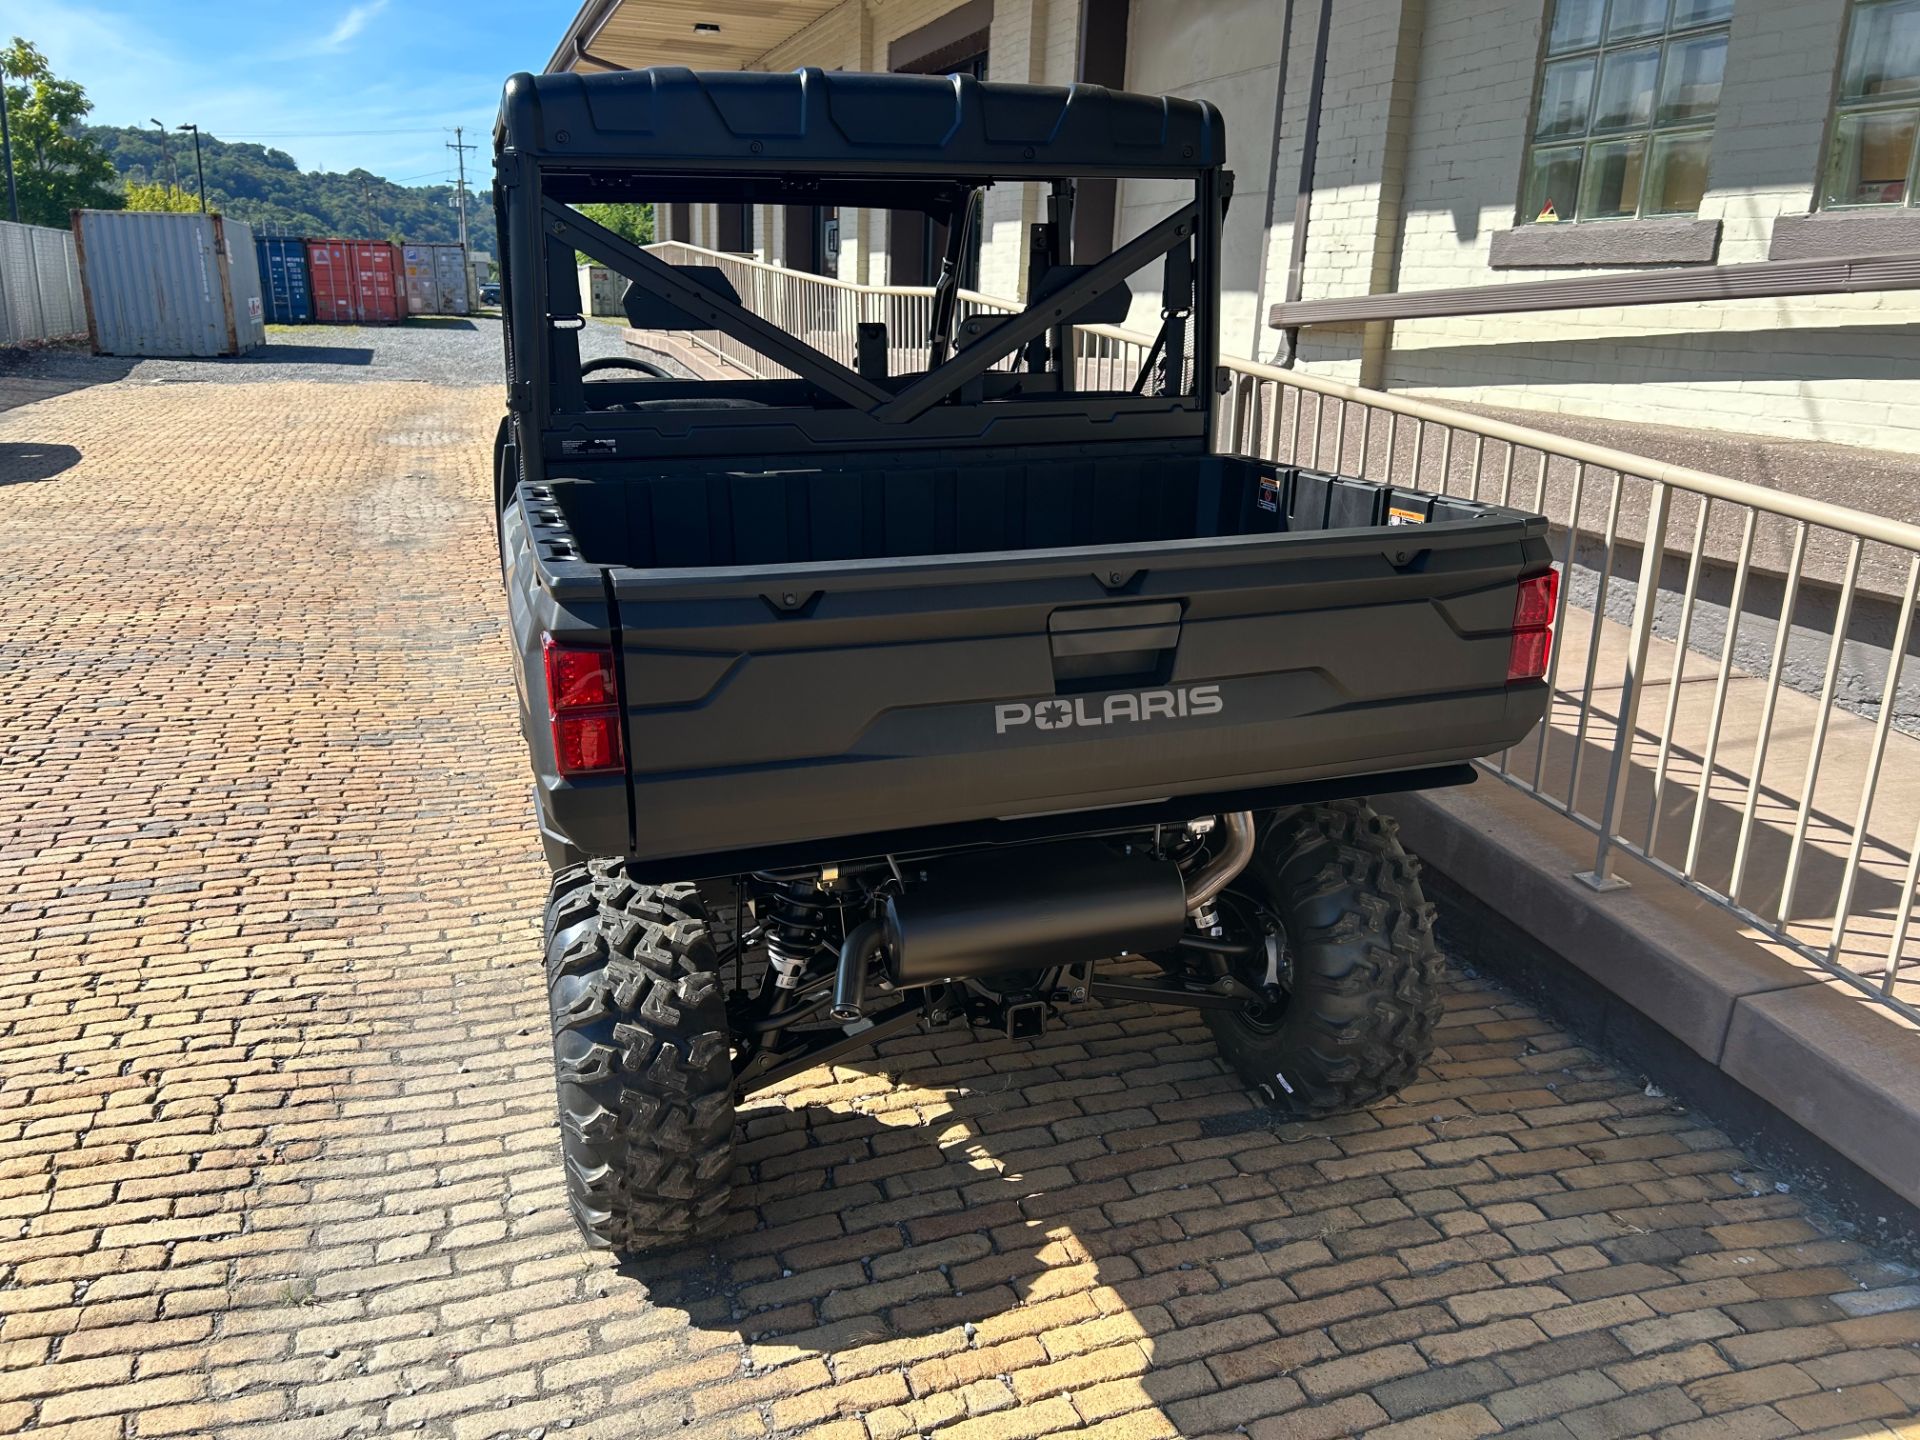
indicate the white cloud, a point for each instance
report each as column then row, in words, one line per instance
column 351, row 24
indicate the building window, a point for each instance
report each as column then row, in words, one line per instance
column 1624, row 115
column 1873, row 155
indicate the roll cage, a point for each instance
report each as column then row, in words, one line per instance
column 933, row 145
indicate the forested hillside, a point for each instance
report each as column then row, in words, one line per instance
column 268, row 190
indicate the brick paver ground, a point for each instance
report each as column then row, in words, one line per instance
column 276, row 1155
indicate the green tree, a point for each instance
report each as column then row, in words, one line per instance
column 169, row 198
column 56, row 168
column 629, row 222
column 267, row 189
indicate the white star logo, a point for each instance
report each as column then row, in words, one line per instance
column 1052, row 714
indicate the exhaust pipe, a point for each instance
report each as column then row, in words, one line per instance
column 1206, row 883
column 850, row 980
column 1034, row 907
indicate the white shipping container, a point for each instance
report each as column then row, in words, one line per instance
column 602, row 291
column 450, row 269
column 169, row 285
column 436, row 279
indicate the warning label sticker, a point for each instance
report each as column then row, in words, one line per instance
column 1400, row 515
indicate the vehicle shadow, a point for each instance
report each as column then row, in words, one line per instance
column 1102, row 1231
column 24, row 462
column 961, row 1214
column 441, row 322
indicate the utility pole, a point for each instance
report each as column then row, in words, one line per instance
column 166, row 148
column 197, row 170
column 460, row 157
column 6, row 144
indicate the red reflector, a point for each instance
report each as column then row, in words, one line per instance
column 587, row 744
column 579, row 678
column 1533, row 609
column 1527, row 660
column 1532, row 644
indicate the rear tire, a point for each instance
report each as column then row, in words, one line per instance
column 642, row 1059
column 1363, row 995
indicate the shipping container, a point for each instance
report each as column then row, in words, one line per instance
column 356, row 282
column 283, row 280
column 174, row 285
column 451, row 261
column 423, row 286
column 602, row 291
column 436, row 279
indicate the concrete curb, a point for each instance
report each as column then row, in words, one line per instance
column 1837, row 1067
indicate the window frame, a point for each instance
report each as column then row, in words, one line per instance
column 1840, row 108
column 1647, row 134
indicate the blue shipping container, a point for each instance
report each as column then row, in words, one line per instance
column 283, row 277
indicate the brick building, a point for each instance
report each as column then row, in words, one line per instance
column 1460, row 143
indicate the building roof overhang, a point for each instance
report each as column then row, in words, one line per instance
column 701, row 34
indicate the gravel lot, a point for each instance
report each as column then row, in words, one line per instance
column 437, row 350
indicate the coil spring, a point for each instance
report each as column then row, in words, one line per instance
column 796, row 931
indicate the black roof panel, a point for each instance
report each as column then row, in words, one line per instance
column 675, row 119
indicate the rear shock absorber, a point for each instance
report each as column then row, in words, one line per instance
column 795, row 916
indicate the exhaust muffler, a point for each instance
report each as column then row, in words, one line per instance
column 1033, row 907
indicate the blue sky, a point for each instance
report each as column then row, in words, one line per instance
column 300, row 76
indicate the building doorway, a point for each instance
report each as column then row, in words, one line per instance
column 735, row 229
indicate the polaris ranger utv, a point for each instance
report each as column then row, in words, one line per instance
column 922, row 684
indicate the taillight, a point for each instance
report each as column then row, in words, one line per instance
column 1532, row 643
column 584, row 708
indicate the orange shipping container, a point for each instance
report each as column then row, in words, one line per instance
column 357, row 282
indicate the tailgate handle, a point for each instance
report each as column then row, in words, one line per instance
column 1111, row 641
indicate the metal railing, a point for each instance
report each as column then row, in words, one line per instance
column 821, row 311
column 40, row 295
column 1769, row 641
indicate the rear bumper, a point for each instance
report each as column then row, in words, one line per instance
column 1105, row 819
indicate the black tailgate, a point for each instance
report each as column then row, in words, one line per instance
column 767, row 707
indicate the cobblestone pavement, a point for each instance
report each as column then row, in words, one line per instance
column 276, row 1149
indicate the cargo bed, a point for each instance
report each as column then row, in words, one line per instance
column 896, row 645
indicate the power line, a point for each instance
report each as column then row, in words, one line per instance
column 324, row 134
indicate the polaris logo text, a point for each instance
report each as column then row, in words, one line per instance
column 1088, row 710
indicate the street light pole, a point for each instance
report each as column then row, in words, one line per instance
column 200, row 173
column 166, row 148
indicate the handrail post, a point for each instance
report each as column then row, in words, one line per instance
column 1646, row 600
